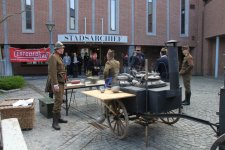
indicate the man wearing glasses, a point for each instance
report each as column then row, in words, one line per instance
column 137, row 61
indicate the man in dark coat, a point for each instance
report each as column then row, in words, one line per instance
column 94, row 65
column 86, row 60
column 162, row 65
column 137, row 61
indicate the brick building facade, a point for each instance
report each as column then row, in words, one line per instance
column 148, row 23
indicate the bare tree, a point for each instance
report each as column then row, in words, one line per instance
column 10, row 15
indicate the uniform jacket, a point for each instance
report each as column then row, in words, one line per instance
column 56, row 72
column 187, row 65
column 111, row 69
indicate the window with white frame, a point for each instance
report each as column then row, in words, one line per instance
column 72, row 16
column 113, row 17
column 27, row 16
column 184, row 19
column 151, row 17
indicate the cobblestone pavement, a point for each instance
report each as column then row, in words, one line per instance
column 80, row 134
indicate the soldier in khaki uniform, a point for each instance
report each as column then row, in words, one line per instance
column 112, row 67
column 111, row 70
column 56, row 81
column 186, row 73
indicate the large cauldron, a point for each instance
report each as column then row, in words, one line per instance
column 160, row 99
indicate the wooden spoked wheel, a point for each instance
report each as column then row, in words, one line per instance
column 171, row 120
column 117, row 118
column 219, row 143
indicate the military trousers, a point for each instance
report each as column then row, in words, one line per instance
column 187, row 82
column 58, row 99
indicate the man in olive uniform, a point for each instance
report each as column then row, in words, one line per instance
column 112, row 67
column 56, row 80
column 110, row 72
column 186, row 73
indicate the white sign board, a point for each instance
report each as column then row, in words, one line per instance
column 92, row 38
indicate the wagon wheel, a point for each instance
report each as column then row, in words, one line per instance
column 219, row 143
column 171, row 120
column 117, row 118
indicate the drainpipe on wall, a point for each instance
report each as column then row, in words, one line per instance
column 50, row 21
column 168, row 19
column 93, row 17
column 217, row 56
column 202, row 40
column 102, row 24
column 85, row 26
column 131, row 47
column 6, row 60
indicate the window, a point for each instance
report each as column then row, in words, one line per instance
column 151, row 17
column 113, row 16
column 28, row 16
column 72, row 16
column 184, row 17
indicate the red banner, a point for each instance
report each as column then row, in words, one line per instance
column 29, row 55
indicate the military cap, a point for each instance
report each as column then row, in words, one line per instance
column 58, row 45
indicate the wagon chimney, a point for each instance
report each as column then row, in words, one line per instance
column 173, row 65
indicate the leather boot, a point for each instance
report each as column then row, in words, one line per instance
column 185, row 100
column 188, row 96
column 55, row 123
column 61, row 120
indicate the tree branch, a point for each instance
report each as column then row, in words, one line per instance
column 10, row 15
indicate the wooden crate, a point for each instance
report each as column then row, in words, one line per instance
column 24, row 114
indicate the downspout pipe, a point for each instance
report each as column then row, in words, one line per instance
column 217, row 56
column 7, row 63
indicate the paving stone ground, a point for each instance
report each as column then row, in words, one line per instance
column 80, row 134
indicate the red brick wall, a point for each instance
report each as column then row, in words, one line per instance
column 213, row 25
column 41, row 35
column 214, row 18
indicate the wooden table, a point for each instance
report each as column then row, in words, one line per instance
column 115, row 111
column 107, row 95
column 87, row 84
